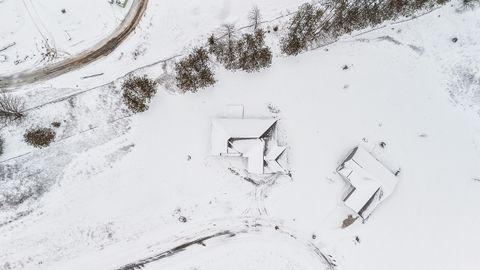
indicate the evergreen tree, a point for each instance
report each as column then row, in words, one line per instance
column 253, row 54
column 194, row 71
column 303, row 29
column 137, row 92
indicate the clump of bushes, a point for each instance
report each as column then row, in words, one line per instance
column 137, row 92
column 194, row 71
column 39, row 137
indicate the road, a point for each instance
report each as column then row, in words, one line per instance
column 101, row 49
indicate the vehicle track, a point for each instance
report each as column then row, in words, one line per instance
column 230, row 231
column 101, row 49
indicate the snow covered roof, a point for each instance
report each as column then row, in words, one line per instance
column 271, row 158
column 253, row 150
column 371, row 182
column 224, row 129
column 245, row 138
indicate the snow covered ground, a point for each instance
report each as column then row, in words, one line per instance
column 113, row 189
column 41, row 32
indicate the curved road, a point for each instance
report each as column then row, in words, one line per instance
column 101, row 49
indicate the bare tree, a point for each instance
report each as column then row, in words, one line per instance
column 225, row 51
column 228, row 30
column 11, row 107
column 255, row 18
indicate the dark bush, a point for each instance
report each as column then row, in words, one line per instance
column 194, row 71
column 211, row 43
column 39, row 137
column 469, row 4
column 56, row 124
column 1, row 145
column 137, row 92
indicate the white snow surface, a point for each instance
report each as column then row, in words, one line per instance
column 117, row 186
column 32, row 26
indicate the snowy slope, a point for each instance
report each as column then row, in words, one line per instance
column 405, row 86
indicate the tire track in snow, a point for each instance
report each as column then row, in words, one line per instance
column 250, row 226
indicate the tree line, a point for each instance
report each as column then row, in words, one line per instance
column 310, row 26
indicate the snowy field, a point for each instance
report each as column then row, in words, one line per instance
column 116, row 190
column 41, row 32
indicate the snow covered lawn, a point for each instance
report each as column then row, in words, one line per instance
column 68, row 27
column 137, row 191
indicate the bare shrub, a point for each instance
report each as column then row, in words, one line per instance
column 11, row 107
column 39, row 137
column 137, row 92
column 194, row 71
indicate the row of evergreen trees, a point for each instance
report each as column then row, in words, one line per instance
column 247, row 52
column 314, row 24
column 310, row 26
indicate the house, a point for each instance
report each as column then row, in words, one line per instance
column 249, row 139
column 370, row 182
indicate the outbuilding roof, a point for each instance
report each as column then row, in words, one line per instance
column 371, row 182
